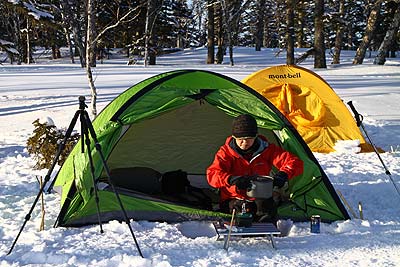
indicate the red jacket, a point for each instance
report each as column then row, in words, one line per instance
column 228, row 162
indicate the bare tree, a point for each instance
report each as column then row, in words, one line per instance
column 90, row 36
column 65, row 24
column 72, row 13
column 151, row 14
column 389, row 37
column 369, row 31
column 91, row 41
column 231, row 11
column 319, row 39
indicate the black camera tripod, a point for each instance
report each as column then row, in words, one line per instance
column 86, row 129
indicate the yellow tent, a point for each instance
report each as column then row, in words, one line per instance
column 310, row 104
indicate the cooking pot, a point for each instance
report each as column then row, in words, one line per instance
column 261, row 187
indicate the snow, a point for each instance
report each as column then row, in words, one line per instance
column 49, row 90
column 32, row 10
column 4, row 42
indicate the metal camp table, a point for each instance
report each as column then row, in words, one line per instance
column 256, row 229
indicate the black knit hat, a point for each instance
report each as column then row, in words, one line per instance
column 244, row 126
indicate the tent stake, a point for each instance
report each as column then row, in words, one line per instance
column 41, row 227
column 360, row 208
column 359, row 119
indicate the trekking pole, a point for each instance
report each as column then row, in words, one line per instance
column 359, row 118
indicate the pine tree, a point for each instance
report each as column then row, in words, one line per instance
column 44, row 144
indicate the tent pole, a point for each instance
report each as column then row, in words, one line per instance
column 88, row 124
column 359, row 119
column 47, row 177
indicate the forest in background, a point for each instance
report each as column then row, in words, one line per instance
column 152, row 27
column 145, row 29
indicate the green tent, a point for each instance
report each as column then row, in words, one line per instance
column 177, row 121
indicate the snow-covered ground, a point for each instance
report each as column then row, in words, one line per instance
column 51, row 89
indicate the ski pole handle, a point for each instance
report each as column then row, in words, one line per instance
column 357, row 115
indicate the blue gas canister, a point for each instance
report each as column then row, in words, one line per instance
column 315, row 224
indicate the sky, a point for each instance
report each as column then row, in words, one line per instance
column 49, row 89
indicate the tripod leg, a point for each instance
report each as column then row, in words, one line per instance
column 98, row 148
column 62, row 146
column 87, row 142
column 47, row 177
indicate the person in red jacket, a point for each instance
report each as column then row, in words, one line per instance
column 244, row 155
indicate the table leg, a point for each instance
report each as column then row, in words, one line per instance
column 272, row 240
column 226, row 242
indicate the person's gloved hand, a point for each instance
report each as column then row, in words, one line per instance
column 280, row 178
column 241, row 182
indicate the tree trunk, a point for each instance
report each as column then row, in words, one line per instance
column 300, row 24
column 389, row 38
column 371, row 25
column 71, row 51
column 89, row 51
column 210, row 33
column 259, row 34
column 149, row 52
column 319, row 39
column 290, row 32
column 55, row 51
column 232, row 11
column 91, row 44
column 339, row 34
column 220, row 37
column 229, row 31
column 28, row 43
column 65, row 22
column 147, row 34
column 17, row 36
column 231, row 53
column 75, row 19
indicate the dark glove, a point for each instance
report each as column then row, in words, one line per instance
column 280, row 178
column 241, row 182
